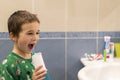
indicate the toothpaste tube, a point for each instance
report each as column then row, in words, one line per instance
column 107, row 43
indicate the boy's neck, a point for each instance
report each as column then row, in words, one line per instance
column 24, row 55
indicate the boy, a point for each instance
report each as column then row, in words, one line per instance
column 23, row 28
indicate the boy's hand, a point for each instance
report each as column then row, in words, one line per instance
column 39, row 73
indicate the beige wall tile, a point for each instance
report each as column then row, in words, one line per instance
column 67, row 15
column 7, row 7
column 108, row 15
column 83, row 14
column 51, row 14
column 118, row 18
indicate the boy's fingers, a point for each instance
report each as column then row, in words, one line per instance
column 41, row 75
column 38, row 68
column 40, row 72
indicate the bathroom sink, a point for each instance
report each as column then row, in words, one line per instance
column 86, row 62
column 103, row 71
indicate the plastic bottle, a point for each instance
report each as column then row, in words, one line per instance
column 111, row 52
column 107, row 45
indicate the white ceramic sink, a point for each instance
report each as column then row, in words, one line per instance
column 102, row 71
column 86, row 62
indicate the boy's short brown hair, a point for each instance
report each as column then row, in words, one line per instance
column 18, row 18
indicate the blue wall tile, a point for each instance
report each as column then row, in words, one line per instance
column 4, row 35
column 62, row 50
column 75, row 50
column 5, row 47
column 54, row 55
column 81, row 34
column 52, row 34
column 112, row 34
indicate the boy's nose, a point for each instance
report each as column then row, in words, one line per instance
column 35, row 37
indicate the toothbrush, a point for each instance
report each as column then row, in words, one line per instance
column 98, row 56
column 104, row 55
column 88, row 56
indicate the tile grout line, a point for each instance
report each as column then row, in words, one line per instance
column 97, row 26
column 66, row 29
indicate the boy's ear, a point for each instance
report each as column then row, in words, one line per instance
column 12, row 37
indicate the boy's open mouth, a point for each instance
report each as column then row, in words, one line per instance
column 31, row 46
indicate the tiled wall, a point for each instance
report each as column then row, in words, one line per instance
column 62, row 50
column 69, row 28
column 66, row 15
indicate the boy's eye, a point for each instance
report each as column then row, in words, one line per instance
column 29, row 33
column 33, row 33
column 37, row 33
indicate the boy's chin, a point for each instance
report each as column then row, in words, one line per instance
column 29, row 52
